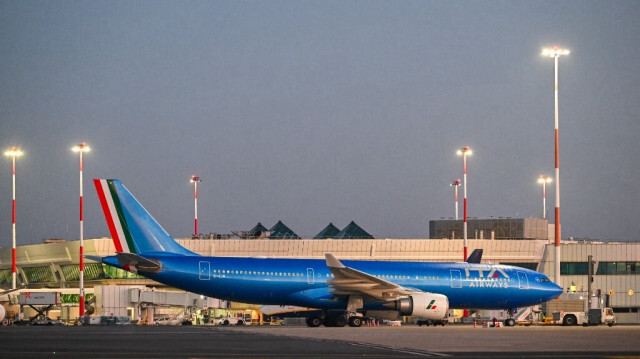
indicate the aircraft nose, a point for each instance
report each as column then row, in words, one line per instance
column 554, row 290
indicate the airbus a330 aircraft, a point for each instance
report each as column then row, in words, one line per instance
column 380, row 289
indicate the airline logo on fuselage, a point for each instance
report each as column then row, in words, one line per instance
column 494, row 278
column 431, row 306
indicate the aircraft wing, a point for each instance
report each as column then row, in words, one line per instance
column 348, row 281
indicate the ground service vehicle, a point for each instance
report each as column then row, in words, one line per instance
column 44, row 320
column 238, row 320
column 575, row 312
column 594, row 316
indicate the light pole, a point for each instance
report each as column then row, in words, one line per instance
column 81, row 148
column 195, row 179
column 13, row 152
column 464, row 152
column 455, row 185
column 555, row 53
column 544, row 180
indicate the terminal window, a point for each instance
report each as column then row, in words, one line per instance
column 574, row 268
column 618, row 268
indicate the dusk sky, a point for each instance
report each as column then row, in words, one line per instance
column 313, row 112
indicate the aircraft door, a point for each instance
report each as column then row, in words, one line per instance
column 456, row 279
column 310, row 278
column 524, row 282
column 205, row 270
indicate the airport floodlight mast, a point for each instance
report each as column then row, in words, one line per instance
column 464, row 152
column 555, row 53
column 81, row 148
column 13, row 152
column 544, row 180
column 455, row 185
column 195, row 179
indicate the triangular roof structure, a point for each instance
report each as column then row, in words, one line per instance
column 258, row 231
column 258, row 228
column 329, row 231
column 281, row 231
column 353, row 231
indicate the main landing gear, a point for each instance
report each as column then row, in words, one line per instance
column 335, row 320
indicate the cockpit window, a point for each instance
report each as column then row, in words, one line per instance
column 545, row 280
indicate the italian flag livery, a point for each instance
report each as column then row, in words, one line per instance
column 132, row 228
column 112, row 209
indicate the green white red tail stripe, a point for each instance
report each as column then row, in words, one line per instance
column 114, row 215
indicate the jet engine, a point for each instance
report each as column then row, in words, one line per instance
column 426, row 306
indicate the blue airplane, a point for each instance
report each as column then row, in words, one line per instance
column 340, row 289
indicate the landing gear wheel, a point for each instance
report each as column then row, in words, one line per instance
column 328, row 322
column 340, row 321
column 314, row 322
column 355, row 322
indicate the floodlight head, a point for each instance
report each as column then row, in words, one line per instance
column 81, row 147
column 13, row 152
column 554, row 52
column 465, row 151
column 544, row 179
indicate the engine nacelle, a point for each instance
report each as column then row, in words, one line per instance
column 425, row 306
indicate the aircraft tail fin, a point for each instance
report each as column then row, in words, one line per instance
column 132, row 228
column 475, row 257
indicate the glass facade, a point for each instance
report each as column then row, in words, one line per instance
column 117, row 273
column 38, row 274
column 618, row 268
column 574, row 268
column 92, row 271
column 5, row 276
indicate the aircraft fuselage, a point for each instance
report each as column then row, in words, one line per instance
column 303, row 282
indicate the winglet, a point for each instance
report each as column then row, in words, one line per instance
column 476, row 256
column 332, row 261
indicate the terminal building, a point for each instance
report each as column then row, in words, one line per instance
column 493, row 228
column 54, row 266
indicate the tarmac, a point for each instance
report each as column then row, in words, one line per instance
column 456, row 341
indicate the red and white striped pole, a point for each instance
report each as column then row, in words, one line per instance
column 13, row 152
column 83, row 147
column 455, row 185
column 195, row 179
column 464, row 152
column 555, row 52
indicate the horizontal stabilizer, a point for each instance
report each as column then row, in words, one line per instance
column 94, row 258
column 137, row 263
